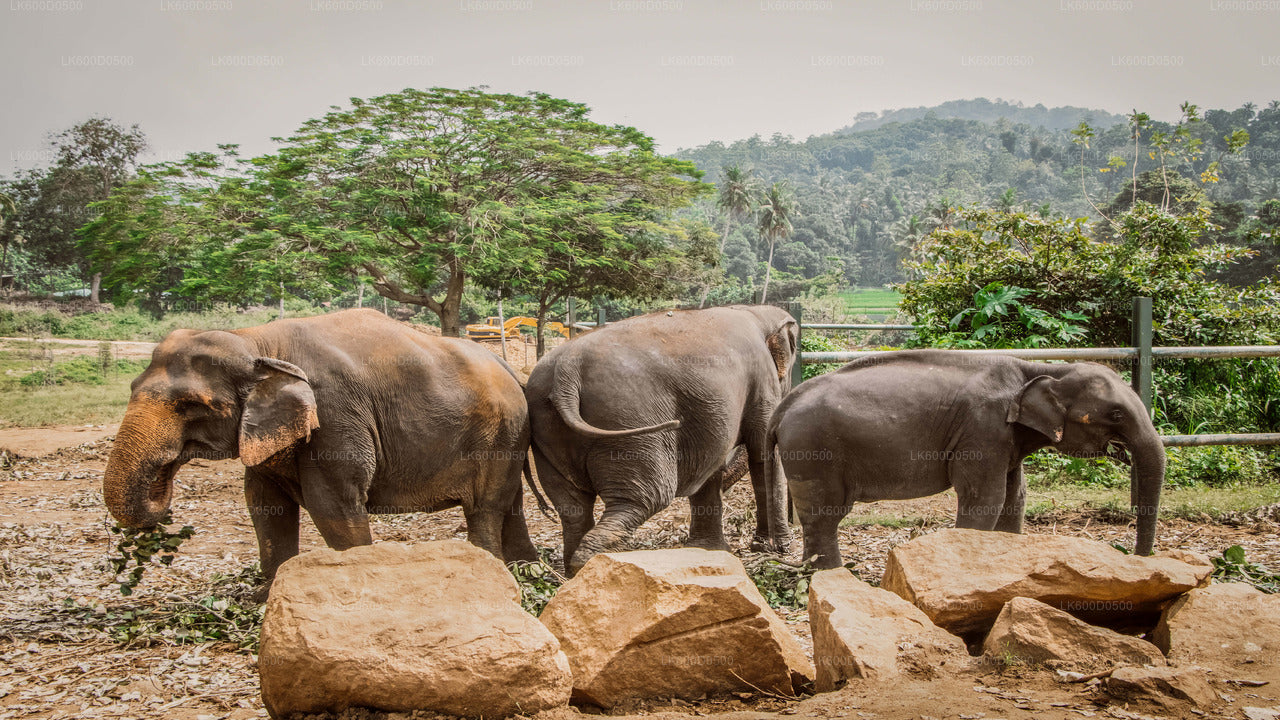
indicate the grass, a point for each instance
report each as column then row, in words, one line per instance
column 882, row 520
column 861, row 300
column 36, row 390
column 128, row 323
column 1184, row 502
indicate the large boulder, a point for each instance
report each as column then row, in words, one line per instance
column 671, row 623
column 1033, row 632
column 1223, row 625
column 861, row 631
column 1169, row 689
column 962, row 579
column 433, row 626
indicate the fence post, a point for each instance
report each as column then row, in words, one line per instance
column 1142, row 341
column 797, row 368
column 600, row 316
column 570, row 316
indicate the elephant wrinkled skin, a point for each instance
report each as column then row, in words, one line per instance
column 347, row 414
column 656, row 407
column 909, row 424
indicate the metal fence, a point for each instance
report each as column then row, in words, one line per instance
column 1141, row 354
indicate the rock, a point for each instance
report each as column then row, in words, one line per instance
column 1034, row 632
column 1164, row 687
column 865, row 632
column 961, row 579
column 1257, row 713
column 671, row 623
column 1222, row 625
column 432, row 626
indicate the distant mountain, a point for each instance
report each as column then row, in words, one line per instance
column 984, row 110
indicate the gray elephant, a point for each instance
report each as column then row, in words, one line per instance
column 909, row 424
column 345, row 414
column 656, row 407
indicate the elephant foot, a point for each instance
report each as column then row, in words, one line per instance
column 260, row 595
column 765, row 545
column 708, row 543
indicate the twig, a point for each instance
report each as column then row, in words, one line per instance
column 763, row 691
column 1094, row 676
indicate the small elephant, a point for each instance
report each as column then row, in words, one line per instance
column 656, row 407
column 347, row 415
column 909, row 424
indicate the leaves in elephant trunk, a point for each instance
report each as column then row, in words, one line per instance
column 140, row 546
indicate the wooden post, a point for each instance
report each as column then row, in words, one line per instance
column 502, row 329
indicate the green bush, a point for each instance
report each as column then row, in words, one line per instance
column 82, row 370
column 812, row 342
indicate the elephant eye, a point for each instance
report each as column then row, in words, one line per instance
column 1117, row 415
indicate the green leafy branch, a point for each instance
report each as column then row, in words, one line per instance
column 141, row 546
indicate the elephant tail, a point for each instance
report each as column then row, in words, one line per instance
column 543, row 506
column 565, row 396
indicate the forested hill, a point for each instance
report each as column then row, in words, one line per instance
column 984, row 110
column 865, row 195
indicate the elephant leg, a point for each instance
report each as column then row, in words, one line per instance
column 706, row 527
column 516, row 543
column 617, row 522
column 766, row 471
column 575, row 507
column 1015, row 502
column 980, row 493
column 484, row 526
column 335, row 497
column 275, row 522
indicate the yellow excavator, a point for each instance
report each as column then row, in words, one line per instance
column 491, row 330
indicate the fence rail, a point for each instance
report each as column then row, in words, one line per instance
column 1142, row 352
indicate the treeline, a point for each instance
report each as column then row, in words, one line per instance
column 866, row 197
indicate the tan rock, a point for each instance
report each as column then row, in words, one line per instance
column 1034, row 632
column 961, row 579
column 860, row 631
column 1222, row 625
column 671, row 623
column 432, row 626
column 1165, row 687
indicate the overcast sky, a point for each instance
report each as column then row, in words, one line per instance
column 195, row 73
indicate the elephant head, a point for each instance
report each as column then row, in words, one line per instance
column 1088, row 411
column 204, row 395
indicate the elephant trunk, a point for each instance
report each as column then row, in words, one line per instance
column 1146, row 477
column 137, row 485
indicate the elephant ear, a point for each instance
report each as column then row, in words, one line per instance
column 280, row 410
column 1039, row 408
column 782, row 347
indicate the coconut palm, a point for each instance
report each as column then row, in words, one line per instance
column 737, row 190
column 775, row 224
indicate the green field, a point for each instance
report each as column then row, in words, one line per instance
column 861, row 301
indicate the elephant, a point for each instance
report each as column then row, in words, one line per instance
column 909, row 424
column 346, row 414
column 655, row 407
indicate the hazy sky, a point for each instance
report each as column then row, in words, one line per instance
column 194, row 73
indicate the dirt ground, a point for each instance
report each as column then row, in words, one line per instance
column 54, row 541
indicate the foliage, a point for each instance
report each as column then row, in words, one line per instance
column 782, row 584
column 91, row 159
column 1214, row 466
column 141, row 546
column 813, row 342
column 1233, row 567
column 538, row 583
column 82, row 371
column 1000, row 319
column 223, row 610
column 421, row 190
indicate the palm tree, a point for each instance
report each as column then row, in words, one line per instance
column 736, row 190
column 775, row 224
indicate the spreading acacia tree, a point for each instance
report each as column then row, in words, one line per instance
column 423, row 191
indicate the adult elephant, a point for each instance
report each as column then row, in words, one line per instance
column 345, row 414
column 909, row 424
column 656, row 407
